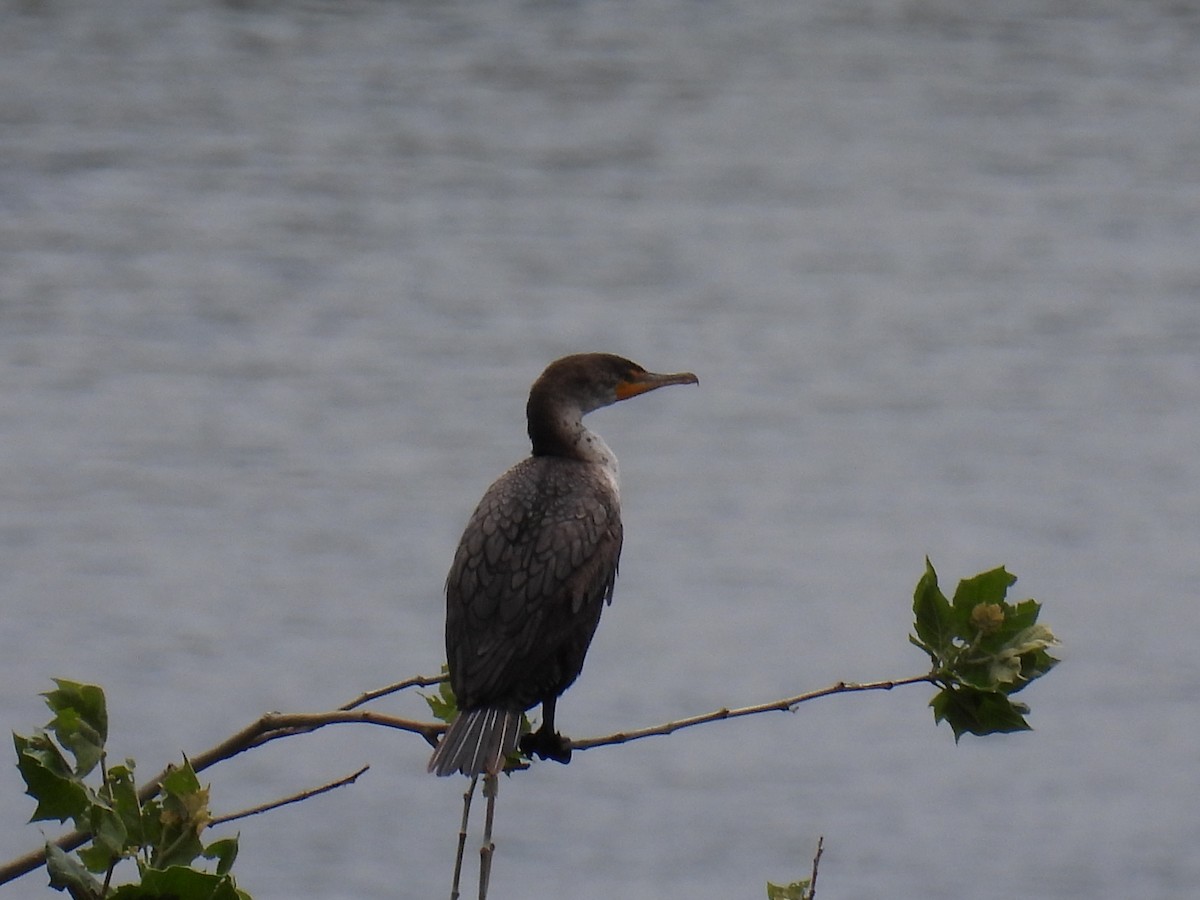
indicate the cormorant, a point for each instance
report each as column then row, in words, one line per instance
column 535, row 566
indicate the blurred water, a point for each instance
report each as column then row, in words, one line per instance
column 275, row 277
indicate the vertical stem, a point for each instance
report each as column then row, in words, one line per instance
column 462, row 837
column 491, row 785
column 812, row 883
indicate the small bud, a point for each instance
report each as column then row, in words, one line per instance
column 987, row 617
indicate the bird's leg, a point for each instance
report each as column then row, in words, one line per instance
column 547, row 743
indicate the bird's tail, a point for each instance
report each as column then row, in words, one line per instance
column 477, row 742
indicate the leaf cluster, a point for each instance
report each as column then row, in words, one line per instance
column 160, row 833
column 983, row 650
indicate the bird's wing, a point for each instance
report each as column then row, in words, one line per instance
column 535, row 565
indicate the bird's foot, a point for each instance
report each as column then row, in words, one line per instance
column 547, row 745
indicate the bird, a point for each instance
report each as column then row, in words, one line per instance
column 536, row 565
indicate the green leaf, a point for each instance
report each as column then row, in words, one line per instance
column 1024, row 646
column 970, row 711
column 180, row 846
column 109, row 839
column 181, row 780
column 224, row 851
column 184, row 814
column 96, row 859
column 120, row 792
column 67, row 874
column 1034, row 664
column 179, row 883
column 986, row 587
column 443, row 705
column 1023, row 615
column 797, row 890
column 80, row 722
column 975, row 674
column 934, row 618
column 49, row 780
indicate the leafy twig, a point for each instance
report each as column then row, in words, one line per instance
column 265, row 729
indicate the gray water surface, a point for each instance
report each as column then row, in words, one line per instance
column 275, row 278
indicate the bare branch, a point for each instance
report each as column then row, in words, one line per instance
column 788, row 704
column 294, row 798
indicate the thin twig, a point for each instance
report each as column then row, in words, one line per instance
column 462, row 837
column 788, row 704
column 812, row 882
column 491, row 787
column 108, row 878
column 416, row 681
column 294, row 798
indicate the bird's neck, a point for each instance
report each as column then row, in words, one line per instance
column 559, row 431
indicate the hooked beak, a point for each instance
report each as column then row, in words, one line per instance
column 642, row 382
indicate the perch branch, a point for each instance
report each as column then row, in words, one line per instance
column 788, row 704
